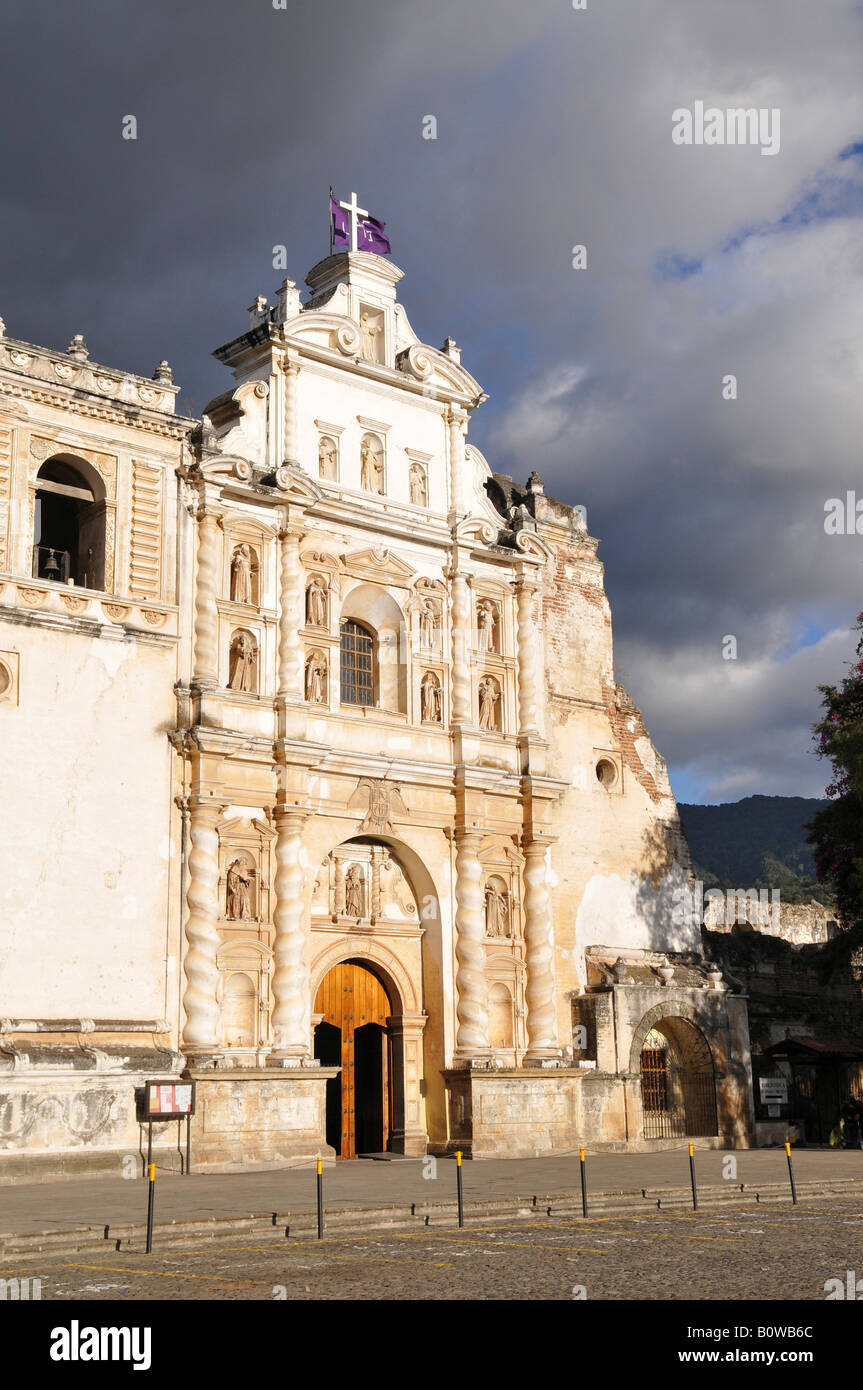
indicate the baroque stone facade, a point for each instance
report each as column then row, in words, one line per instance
column 321, row 786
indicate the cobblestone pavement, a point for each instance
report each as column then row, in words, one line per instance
column 778, row 1253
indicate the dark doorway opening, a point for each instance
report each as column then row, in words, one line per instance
column 328, row 1050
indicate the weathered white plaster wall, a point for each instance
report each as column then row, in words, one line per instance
column 84, row 857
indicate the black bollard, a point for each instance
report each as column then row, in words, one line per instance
column 791, row 1174
column 151, row 1205
column 583, row 1167
column 460, row 1192
column 320, row 1198
column 692, row 1177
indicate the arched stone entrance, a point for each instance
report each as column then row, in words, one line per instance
column 372, row 905
column 354, row 1033
column 678, row 1082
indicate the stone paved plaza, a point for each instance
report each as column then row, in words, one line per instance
column 781, row 1253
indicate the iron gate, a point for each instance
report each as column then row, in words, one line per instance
column 676, row 1102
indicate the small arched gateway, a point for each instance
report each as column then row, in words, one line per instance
column 678, row 1082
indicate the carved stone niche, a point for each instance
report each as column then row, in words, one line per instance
column 489, row 713
column 487, row 626
column 241, row 888
column 243, row 996
column 362, row 884
column 245, row 575
column 245, row 872
column 243, row 662
column 502, row 867
column 317, row 601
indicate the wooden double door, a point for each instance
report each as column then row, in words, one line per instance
column 353, row 1035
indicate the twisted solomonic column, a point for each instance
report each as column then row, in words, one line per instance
column 201, row 1031
column 290, row 606
column 527, row 663
column 290, row 371
column 206, row 612
column 470, row 978
column 461, row 701
column 542, row 1041
column 291, row 1025
column 456, row 420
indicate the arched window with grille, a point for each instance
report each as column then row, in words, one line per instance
column 357, row 664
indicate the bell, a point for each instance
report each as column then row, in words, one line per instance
column 52, row 568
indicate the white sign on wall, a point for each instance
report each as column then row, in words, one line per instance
column 774, row 1090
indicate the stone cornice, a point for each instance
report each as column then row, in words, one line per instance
column 171, row 426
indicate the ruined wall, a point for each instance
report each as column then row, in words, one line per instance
column 621, row 854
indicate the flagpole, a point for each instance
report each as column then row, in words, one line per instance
column 330, row 217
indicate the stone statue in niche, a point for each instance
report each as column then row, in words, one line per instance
column 316, row 601
column 418, row 485
column 327, row 458
column 370, row 330
column 243, row 664
column 371, row 467
column 431, row 698
column 496, row 911
column 241, row 575
column 486, row 628
column 428, row 624
column 488, row 701
column 316, row 678
column 354, row 892
column 238, row 897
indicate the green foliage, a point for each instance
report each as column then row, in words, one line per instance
column 837, row 829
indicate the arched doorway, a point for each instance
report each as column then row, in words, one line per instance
column 678, row 1085
column 353, row 1034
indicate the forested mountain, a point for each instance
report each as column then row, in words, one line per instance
column 759, row 842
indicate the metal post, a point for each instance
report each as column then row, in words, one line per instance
column 583, row 1167
column 188, row 1144
column 320, row 1198
column 149, row 1144
column 459, row 1186
column 692, row 1176
column 151, row 1203
column 791, row 1174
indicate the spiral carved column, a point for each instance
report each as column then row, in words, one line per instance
column 201, row 1031
column 461, row 703
column 206, row 612
column 539, row 957
column 291, row 1025
column 527, row 664
column 470, row 979
column 290, row 600
column 291, row 371
column 456, row 421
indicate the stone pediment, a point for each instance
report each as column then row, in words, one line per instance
column 382, row 565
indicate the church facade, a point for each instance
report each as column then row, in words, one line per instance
column 320, row 788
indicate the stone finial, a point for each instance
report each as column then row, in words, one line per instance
column 535, row 484
column 259, row 310
column 2, row 329
column 163, row 373
column 78, row 348
column 452, row 349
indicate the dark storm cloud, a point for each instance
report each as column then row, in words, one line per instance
column 554, row 129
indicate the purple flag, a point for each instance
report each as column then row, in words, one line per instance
column 371, row 235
